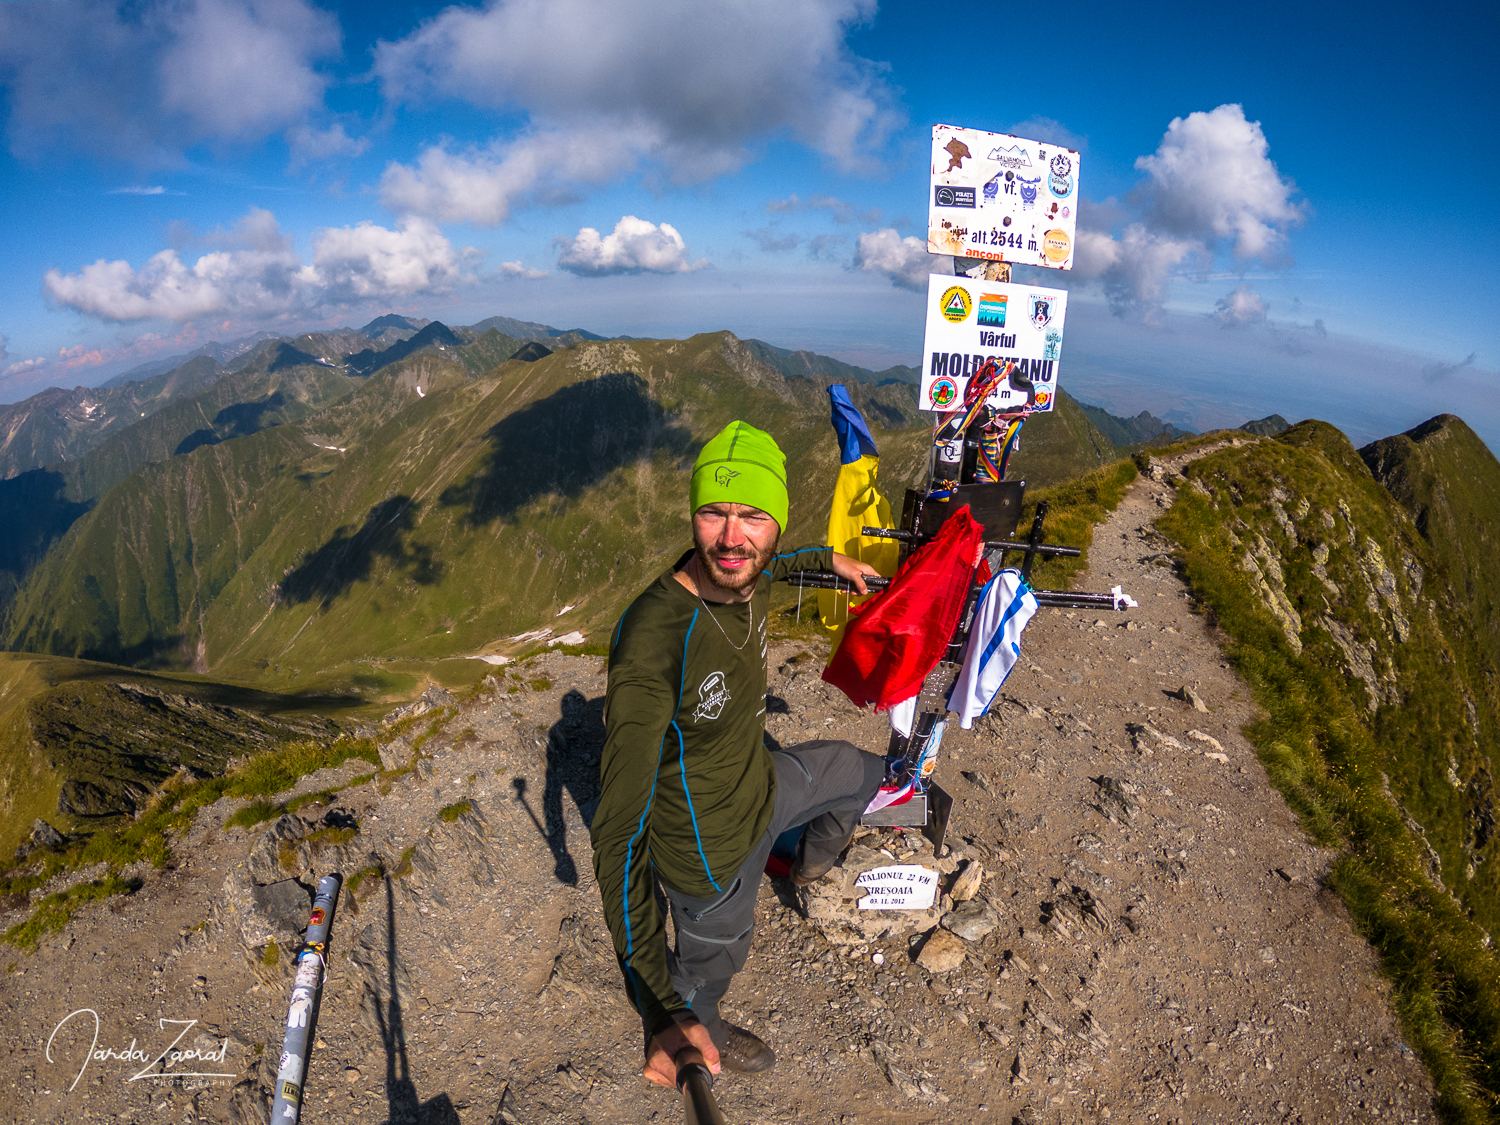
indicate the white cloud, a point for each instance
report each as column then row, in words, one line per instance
column 521, row 270
column 904, row 260
column 635, row 246
column 143, row 81
column 308, row 144
column 1212, row 178
column 369, row 261
column 158, row 190
column 257, row 273
column 693, row 87
column 1239, row 307
column 1210, row 184
column 8, row 369
column 484, row 186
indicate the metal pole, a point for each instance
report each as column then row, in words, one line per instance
column 302, row 1013
column 696, row 1082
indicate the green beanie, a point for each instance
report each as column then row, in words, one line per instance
column 741, row 465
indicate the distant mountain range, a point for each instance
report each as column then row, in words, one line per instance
column 161, row 497
column 431, row 462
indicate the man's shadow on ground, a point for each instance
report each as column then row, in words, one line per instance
column 575, row 744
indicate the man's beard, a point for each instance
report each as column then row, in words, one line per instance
column 741, row 578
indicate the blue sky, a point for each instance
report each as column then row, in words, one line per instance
column 1288, row 207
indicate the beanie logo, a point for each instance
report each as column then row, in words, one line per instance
column 723, row 475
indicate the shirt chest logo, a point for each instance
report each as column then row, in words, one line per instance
column 713, row 693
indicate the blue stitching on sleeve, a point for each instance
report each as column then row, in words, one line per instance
column 681, row 756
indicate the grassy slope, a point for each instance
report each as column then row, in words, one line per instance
column 1449, row 482
column 46, row 738
column 1324, row 746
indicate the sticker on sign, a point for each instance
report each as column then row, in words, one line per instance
column 1001, row 197
column 970, row 322
column 903, row 887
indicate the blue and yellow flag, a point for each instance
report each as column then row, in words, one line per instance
column 857, row 502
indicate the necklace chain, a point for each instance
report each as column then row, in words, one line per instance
column 750, row 633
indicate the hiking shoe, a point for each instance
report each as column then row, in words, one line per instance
column 807, row 876
column 745, row 1053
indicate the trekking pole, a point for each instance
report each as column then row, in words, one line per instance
column 696, row 1082
column 302, row 1014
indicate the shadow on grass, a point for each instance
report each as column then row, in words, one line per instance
column 564, row 443
column 349, row 556
column 238, row 420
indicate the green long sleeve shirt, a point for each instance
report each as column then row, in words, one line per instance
column 688, row 785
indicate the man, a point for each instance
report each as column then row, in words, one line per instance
column 692, row 798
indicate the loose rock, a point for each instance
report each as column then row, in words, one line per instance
column 971, row 921
column 942, row 952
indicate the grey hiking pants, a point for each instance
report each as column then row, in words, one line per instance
column 825, row 785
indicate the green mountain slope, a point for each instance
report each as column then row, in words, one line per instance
column 1449, row 482
column 1382, row 721
column 431, row 514
column 807, row 364
column 281, row 384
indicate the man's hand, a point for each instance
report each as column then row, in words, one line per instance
column 854, row 571
column 663, row 1049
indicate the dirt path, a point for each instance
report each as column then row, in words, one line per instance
column 1164, row 949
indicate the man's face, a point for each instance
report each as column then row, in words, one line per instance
column 735, row 542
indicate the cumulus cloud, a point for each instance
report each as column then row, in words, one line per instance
column 9, row 369
column 635, row 246
column 142, row 80
column 258, row 273
column 1440, row 371
column 1239, row 307
column 1210, row 184
column 694, row 88
column 1212, row 178
column 904, row 260
column 484, row 185
column 841, row 211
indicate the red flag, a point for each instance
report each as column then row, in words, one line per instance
column 896, row 638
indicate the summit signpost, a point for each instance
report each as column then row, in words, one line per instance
column 990, row 360
column 1002, row 198
column 973, row 321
